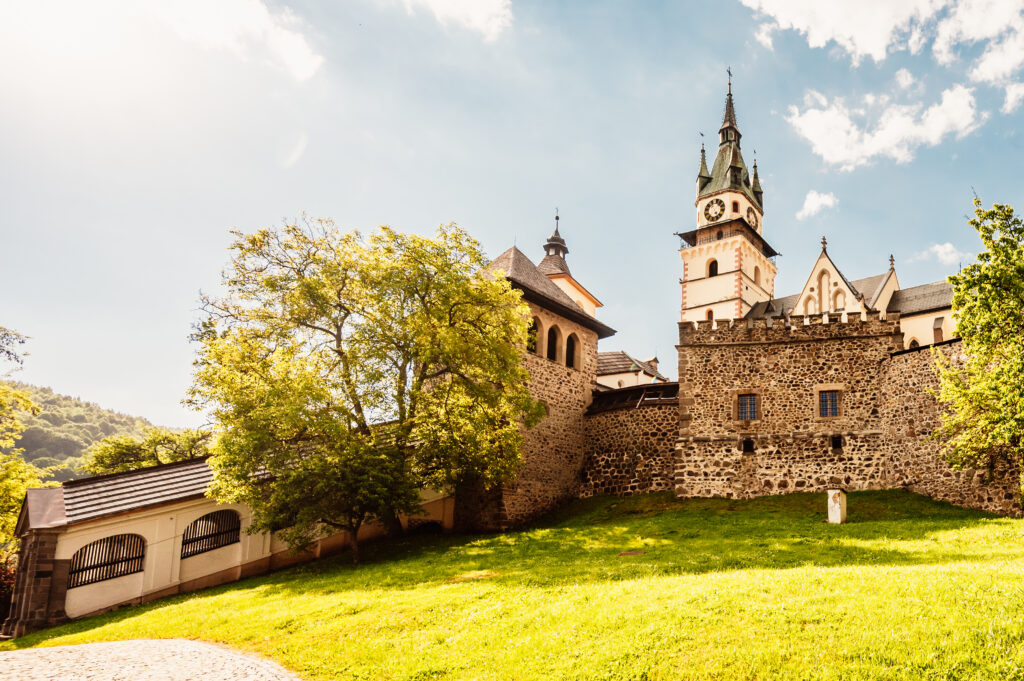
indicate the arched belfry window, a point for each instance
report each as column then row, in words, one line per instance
column 554, row 340
column 735, row 206
column 572, row 351
column 757, row 275
column 712, row 268
column 210, row 532
column 710, row 315
column 107, row 558
column 531, row 336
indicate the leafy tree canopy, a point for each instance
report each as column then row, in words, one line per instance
column 120, row 453
column 984, row 419
column 347, row 372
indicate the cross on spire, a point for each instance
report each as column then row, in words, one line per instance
column 824, row 243
column 728, row 70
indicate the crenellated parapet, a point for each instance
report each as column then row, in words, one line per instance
column 789, row 329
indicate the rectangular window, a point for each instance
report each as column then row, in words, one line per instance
column 747, row 407
column 828, row 403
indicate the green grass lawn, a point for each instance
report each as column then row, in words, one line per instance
column 759, row 589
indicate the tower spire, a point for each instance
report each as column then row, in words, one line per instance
column 555, row 251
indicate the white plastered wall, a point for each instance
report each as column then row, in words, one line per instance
column 920, row 327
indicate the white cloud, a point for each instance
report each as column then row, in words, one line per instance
column 486, row 17
column 945, row 253
column 814, row 203
column 243, row 27
column 842, row 137
column 876, row 28
column 1014, row 96
column 862, row 28
column 904, row 78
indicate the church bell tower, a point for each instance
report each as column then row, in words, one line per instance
column 728, row 267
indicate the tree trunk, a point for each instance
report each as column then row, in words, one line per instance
column 393, row 524
column 353, row 534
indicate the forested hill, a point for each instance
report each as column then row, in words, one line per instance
column 65, row 426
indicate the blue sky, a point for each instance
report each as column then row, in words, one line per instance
column 135, row 134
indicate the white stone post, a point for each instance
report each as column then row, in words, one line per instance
column 836, row 506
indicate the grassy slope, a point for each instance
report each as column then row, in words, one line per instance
column 759, row 589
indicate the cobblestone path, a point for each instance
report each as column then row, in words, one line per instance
column 145, row 660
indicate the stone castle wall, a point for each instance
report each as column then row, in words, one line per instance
column 790, row 448
column 911, row 414
column 881, row 439
column 630, row 450
column 553, row 449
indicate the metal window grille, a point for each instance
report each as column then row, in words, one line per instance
column 829, row 402
column 107, row 558
column 748, row 407
column 210, row 532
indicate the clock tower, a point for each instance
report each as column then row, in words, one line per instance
column 728, row 267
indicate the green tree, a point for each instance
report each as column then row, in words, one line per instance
column 983, row 418
column 346, row 373
column 119, row 453
column 16, row 475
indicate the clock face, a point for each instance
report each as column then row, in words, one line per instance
column 714, row 209
column 752, row 217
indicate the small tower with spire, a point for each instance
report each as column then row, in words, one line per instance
column 554, row 267
column 728, row 266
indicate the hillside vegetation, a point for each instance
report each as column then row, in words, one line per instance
column 66, row 426
column 648, row 587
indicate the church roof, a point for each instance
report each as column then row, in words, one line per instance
column 925, row 298
column 729, row 170
column 619, row 362
column 869, row 287
column 537, row 288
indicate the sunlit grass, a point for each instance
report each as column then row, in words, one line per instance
column 759, row 589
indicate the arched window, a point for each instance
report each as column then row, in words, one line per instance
column 735, row 206
column 720, row 234
column 712, row 268
column 838, row 301
column 710, row 315
column 210, row 532
column 824, row 281
column 757, row 275
column 554, row 340
column 531, row 336
column 107, row 558
column 914, row 343
column 809, row 306
column 572, row 351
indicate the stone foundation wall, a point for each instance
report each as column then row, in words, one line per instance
column 630, row 451
column 39, row 586
column 911, row 414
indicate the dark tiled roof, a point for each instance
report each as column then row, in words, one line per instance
column 553, row 264
column 539, row 289
column 619, row 362
column 924, row 298
column 104, row 495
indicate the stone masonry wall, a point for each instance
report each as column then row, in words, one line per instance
column 911, row 414
column 887, row 414
column 630, row 451
column 553, row 450
column 784, row 366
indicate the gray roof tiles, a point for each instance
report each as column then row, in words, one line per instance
column 521, row 271
column 104, row 495
column 916, row 299
column 619, row 362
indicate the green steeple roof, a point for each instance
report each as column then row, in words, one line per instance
column 729, row 170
